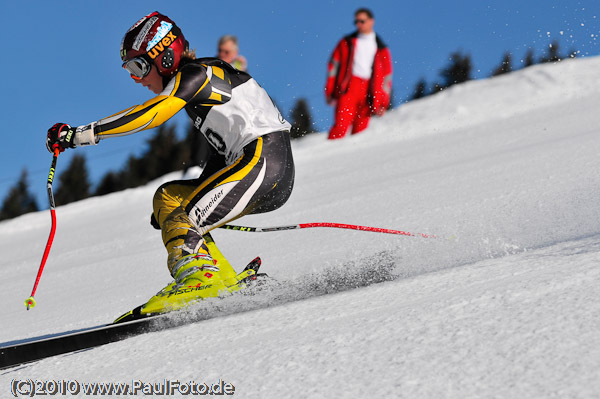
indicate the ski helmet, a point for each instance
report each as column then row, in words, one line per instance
column 154, row 39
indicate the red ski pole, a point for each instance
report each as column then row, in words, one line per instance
column 325, row 224
column 30, row 302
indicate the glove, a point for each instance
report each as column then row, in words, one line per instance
column 60, row 135
column 63, row 136
column 379, row 111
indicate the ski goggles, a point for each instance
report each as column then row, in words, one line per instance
column 138, row 67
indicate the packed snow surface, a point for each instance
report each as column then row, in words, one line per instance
column 504, row 303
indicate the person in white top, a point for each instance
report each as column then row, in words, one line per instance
column 359, row 80
column 364, row 55
column 228, row 51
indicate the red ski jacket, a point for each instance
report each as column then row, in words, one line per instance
column 340, row 71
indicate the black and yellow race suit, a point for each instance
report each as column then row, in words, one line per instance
column 251, row 169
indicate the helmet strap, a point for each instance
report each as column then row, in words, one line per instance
column 166, row 80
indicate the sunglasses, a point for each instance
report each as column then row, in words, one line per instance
column 359, row 21
column 138, row 67
column 223, row 51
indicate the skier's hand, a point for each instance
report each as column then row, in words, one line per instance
column 379, row 111
column 60, row 136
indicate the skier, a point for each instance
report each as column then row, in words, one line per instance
column 250, row 169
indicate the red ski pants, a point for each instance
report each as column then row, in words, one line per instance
column 352, row 109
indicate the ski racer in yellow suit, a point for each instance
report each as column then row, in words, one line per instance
column 250, row 169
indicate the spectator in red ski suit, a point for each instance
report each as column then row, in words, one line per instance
column 359, row 80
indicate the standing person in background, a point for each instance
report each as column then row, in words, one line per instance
column 359, row 79
column 228, row 51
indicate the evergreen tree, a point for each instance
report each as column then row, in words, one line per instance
column 110, row 183
column 553, row 53
column 164, row 155
column 437, row 87
column 505, row 66
column 529, row 59
column 420, row 90
column 74, row 183
column 134, row 174
column 458, row 71
column 301, row 120
column 18, row 201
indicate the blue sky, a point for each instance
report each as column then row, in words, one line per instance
column 60, row 59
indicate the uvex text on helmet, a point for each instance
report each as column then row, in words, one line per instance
column 157, row 38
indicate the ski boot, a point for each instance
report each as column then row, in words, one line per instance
column 197, row 276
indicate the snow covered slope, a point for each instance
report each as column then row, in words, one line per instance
column 504, row 304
